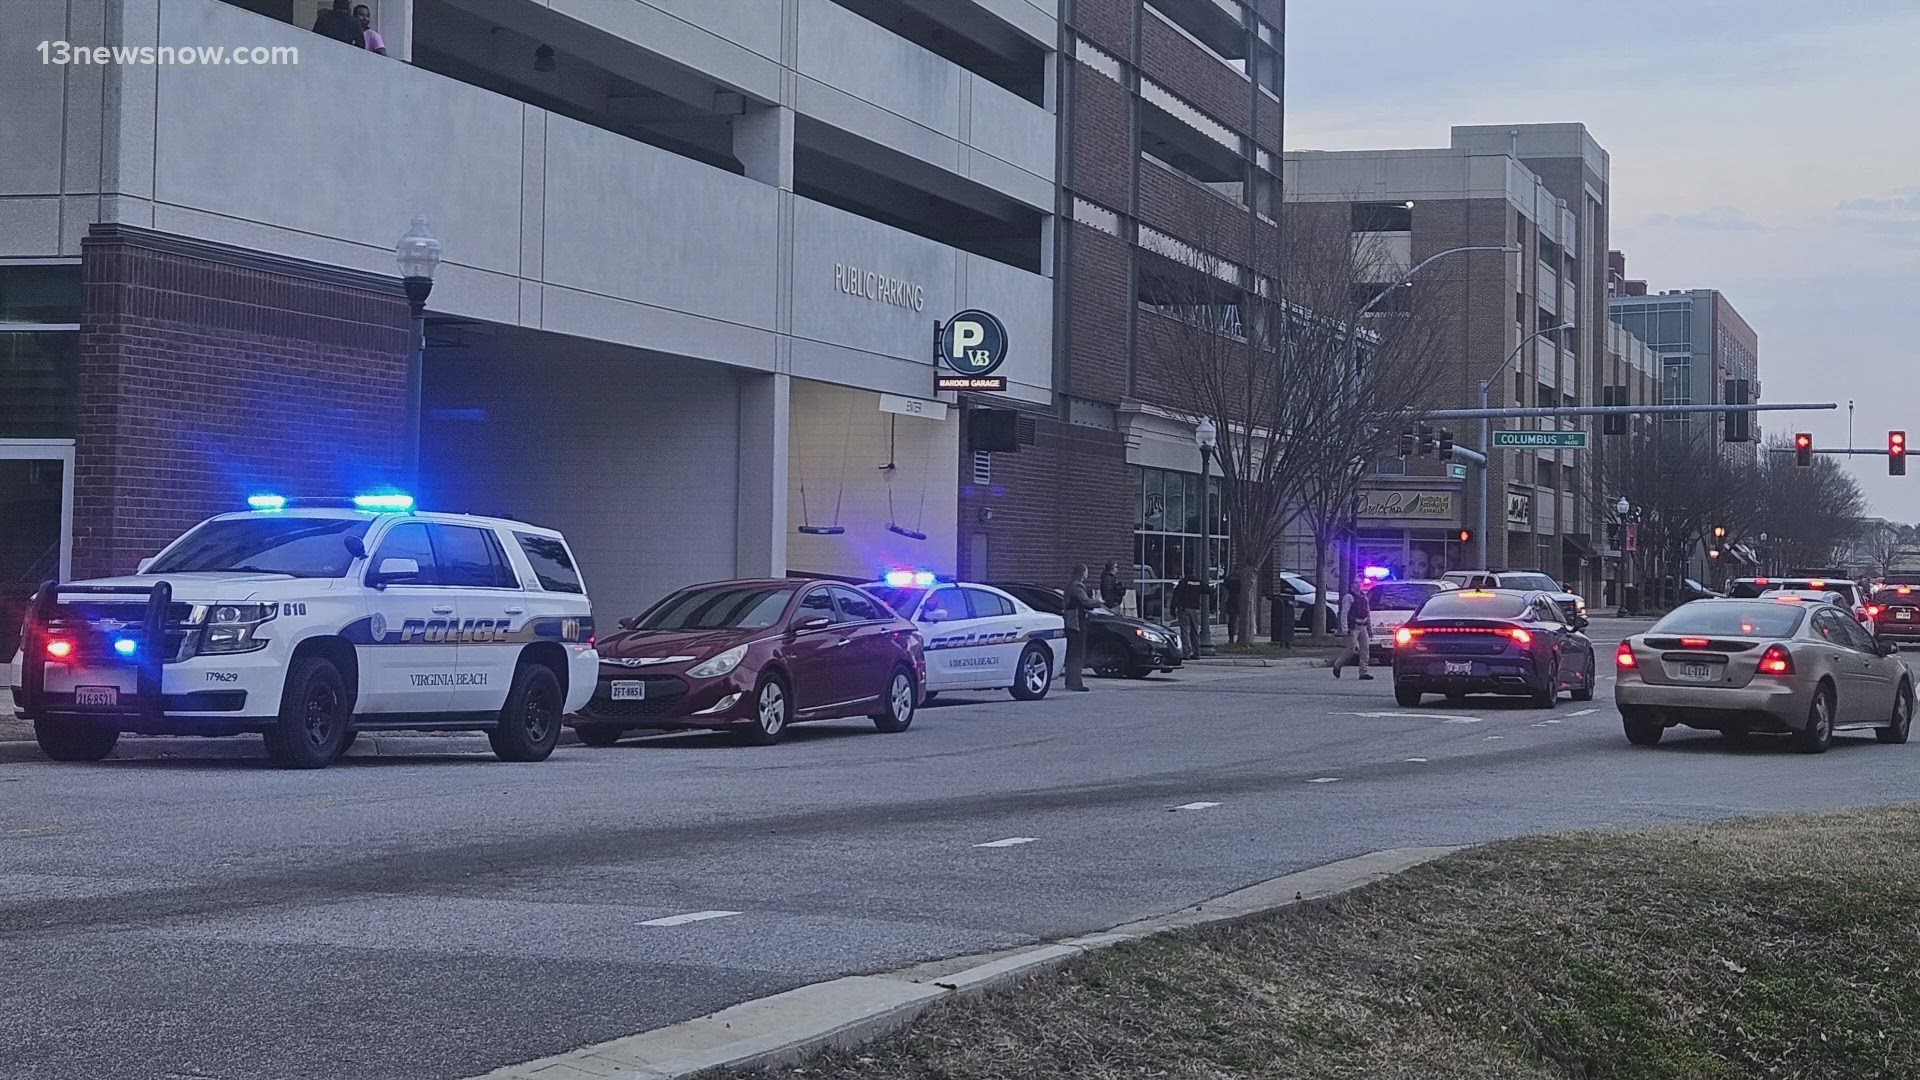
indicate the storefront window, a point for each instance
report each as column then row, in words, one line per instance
column 39, row 294
column 1168, row 541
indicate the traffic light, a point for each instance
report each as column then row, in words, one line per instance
column 1803, row 449
column 1426, row 438
column 1446, row 443
column 1896, row 453
column 1406, row 443
column 1739, row 425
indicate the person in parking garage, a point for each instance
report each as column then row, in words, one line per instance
column 337, row 22
column 1079, row 601
column 370, row 38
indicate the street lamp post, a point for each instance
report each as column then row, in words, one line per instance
column 418, row 254
column 1207, row 436
column 1486, row 428
column 1624, row 509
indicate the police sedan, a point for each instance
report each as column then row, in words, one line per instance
column 977, row 637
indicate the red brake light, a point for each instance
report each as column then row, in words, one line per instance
column 1762, row 581
column 59, row 648
column 1776, row 661
column 1403, row 636
column 1521, row 636
column 1694, row 642
column 1873, row 611
column 1623, row 657
column 1905, row 590
column 1817, row 583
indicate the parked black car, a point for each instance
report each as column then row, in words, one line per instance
column 1117, row 645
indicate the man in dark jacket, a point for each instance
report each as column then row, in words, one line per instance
column 1113, row 591
column 1190, row 603
column 338, row 23
column 1078, row 601
column 1359, row 628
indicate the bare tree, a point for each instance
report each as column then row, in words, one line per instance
column 1811, row 514
column 1681, row 486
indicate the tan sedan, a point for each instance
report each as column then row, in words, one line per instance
column 1768, row 665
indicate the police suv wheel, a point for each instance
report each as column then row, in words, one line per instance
column 902, row 697
column 314, row 716
column 75, row 740
column 529, row 726
column 1034, row 675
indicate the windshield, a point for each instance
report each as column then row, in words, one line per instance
column 1400, row 595
column 1529, row 581
column 1747, row 590
column 1473, row 605
column 902, row 601
column 1767, row 619
column 719, row 607
column 1898, row 594
column 303, row 547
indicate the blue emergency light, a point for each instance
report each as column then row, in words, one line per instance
column 392, row 501
column 908, row 579
column 125, row 646
column 267, row 502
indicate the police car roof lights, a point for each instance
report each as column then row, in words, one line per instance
column 1378, row 573
column 910, row 579
column 388, row 501
column 267, row 502
column 378, row 502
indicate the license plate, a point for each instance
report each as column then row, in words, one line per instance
column 1697, row 672
column 1459, row 667
column 96, row 695
column 1904, row 614
column 629, row 691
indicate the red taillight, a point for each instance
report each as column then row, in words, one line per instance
column 59, row 648
column 1776, row 661
column 1873, row 611
column 1694, row 643
column 1403, row 636
column 1905, row 590
column 1521, row 636
column 1623, row 656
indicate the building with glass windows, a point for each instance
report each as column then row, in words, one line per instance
column 1704, row 346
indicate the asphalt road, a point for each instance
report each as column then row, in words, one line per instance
column 435, row 917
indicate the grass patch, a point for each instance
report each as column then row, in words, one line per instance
column 1777, row 947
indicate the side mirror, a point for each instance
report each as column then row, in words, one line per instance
column 933, row 615
column 1581, row 622
column 1889, row 648
column 142, row 566
column 356, row 547
column 626, row 623
column 392, row 570
column 811, row 622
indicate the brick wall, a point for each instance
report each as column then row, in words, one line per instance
column 1186, row 210
column 1189, row 71
column 1106, row 23
column 1100, row 303
column 1102, row 142
column 1067, row 498
column 206, row 373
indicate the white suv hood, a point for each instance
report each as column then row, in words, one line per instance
column 231, row 588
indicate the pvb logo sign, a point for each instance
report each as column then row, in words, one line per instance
column 973, row 344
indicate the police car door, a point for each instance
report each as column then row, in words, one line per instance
column 492, row 607
column 944, row 624
column 1000, row 632
column 409, row 665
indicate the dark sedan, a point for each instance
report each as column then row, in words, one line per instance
column 1117, row 645
column 753, row 657
column 1492, row 641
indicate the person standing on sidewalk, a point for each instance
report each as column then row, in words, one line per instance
column 1078, row 601
column 1359, row 628
column 1113, row 591
column 1190, row 603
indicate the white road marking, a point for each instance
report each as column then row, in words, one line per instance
column 1582, row 712
column 1421, row 760
column 1324, row 780
column 1496, row 736
column 690, row 917
column 1009, row 841
column 1196, row 806
column 1465, row 720
column 1398, row 715
column 1544, row 723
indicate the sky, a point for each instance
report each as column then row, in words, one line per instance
column 1765, row 148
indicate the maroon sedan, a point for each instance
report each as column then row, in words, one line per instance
column 754, row 657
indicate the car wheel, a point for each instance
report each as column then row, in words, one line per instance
column 1407, row 697
column 1897, row 729
column 1643, row 726
column 1034, row 676
column 1585, row 690
column 772, row 712
column 1818, row 734
column 530, row 723
column 599, row 734
column 902, row 696
column 314, row 717
column 1107, row 660
column 1546, row 695
column 346, row 744
column 75, row 740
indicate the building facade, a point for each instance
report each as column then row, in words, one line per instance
column 1542, row 189
column 694, row 255
column 1705, row 348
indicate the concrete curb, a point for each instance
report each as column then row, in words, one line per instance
column 785, row 1028
column 247, row 747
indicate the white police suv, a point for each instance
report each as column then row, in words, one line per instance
column 309, row 621
column 976, row 636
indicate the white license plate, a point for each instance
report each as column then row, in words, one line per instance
column 1904, row 615
column 1459, row 667
column 96, row 695
column 629, row 690
column 1697, row 673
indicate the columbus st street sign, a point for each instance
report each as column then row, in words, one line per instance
column 1540, row 440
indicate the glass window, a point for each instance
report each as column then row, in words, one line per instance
column 816, row 604
column 1167, row 542
column 986, row 605
column 857, row 607
column 720, row 607
column 1473, row 604
column 552, row 563
column 304, row 547
column 471, row 557
column 945, row 605
column 37, row 393
column 1383, row 217
column 408, row 540
column 40, row 294
column 1529, row 581
column 900, row 600
column 1765, row 619
column 1399, row 595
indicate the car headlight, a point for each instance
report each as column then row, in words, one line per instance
column 1579, row 603
column 720, row 664
column 234, row 628
column 1156, row 637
